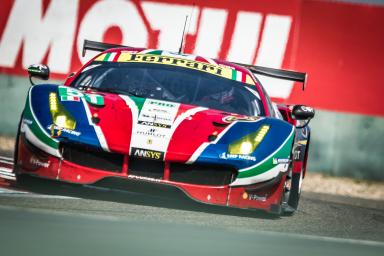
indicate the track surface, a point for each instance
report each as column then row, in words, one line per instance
column 48, row 217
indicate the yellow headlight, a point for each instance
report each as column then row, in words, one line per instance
column 246, row 148
column 248, row 144
column 60, row 116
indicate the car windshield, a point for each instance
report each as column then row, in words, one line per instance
column 170, row 83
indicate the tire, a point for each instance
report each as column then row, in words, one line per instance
column 16, row 148
column 292, row 191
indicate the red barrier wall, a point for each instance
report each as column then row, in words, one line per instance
column 340, row 45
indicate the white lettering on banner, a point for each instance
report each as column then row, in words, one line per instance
column 169, row 20
column 274, row 40
column 211, row 32
column 245, row 37
column 271, row 53
column 105, row 14
column 53, row 32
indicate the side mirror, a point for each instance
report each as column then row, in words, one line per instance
column 301, row 112
column 39, row 71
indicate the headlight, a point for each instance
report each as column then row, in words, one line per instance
column 248, row 144
column 60, row 116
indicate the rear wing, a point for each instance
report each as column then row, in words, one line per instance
column 98, row 46
column 278, row 73
column 271, row 72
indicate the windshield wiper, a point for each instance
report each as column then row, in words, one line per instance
column 109, row 90
column 116, row 91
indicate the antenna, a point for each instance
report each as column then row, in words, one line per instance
column 191, row 17
column 182, row 38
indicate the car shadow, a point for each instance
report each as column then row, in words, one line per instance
column 51, row 187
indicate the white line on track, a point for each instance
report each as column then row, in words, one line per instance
column 6, row 173
column 5, row 169
column 11, row 191
column 6, row 162
column 6, row 158
column 26, row 194
column 7, row 176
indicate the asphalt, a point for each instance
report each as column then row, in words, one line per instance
column 50, row 218
column 43, row 233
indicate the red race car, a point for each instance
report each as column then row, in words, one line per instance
column 168, row 124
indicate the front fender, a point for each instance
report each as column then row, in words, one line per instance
column 38, row 125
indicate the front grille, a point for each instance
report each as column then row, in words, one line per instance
column 211, row 175
column 93, row 158
column 146, row 168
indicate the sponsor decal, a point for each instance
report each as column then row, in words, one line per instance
column 27, row 121
column 69, row 98
column 143, row 178
column 145, row 153
column 154, row 124
column 230, row 119
column 156, row 110
column 185, row 63
column 151, row 132
column 253, row 197
column 157, row 117
column 94, row 99
column 167, row 60
column 37, row 162
column 225, row 155
column 296, row 154
column 161, row 103
column 281, row 160
column 57, row 131
column 299, row 149
column 71, row 94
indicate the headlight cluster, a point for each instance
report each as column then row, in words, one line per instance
column 60, row 116
column 247, row 144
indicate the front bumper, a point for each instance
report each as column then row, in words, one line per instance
column 266, row 196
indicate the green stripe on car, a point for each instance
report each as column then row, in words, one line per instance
column 36, row 129
column 283, row 152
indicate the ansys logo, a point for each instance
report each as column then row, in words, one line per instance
column 144, row 153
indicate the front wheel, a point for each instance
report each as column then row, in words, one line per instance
column 16, row 148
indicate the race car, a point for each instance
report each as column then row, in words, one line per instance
column 167, row 124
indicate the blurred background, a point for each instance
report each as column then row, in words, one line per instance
column 340, row 44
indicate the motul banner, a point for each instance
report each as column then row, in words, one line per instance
column 339, row 45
